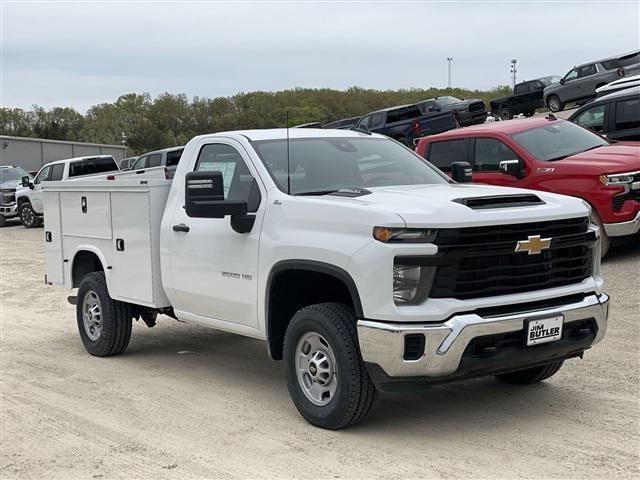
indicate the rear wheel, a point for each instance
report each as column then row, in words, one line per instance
column 554, row 103
column 531, row 375
column 104, row 323
column 402, row 140
column 326, row 377
column 506, row 113
column 28, row 216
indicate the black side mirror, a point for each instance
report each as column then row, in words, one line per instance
column 204, row 197
column 562, row 80
column 511, row 167
column 461, row 172
column 26, row 182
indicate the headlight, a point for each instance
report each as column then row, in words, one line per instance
column 407, row 235
column 411, row 283
column 617, row 179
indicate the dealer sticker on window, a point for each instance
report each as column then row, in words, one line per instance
column 543, row 330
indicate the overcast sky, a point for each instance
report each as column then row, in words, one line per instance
column 82, row 54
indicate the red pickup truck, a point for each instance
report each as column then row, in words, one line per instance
column 551, row 155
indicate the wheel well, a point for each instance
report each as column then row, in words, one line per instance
column 83, row 263
column 22, row 200
column 291, row 288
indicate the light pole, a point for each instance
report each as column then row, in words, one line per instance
column 513, row 71
column 449, row 59
column 123, row 139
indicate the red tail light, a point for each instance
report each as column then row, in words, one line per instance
column 111, row 177
column 416, row 127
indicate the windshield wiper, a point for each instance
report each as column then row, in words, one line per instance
column 574, row 153
column 316, row 192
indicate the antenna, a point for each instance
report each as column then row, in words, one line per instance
column 288, row 160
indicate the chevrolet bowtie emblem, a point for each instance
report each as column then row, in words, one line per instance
column 533, row 245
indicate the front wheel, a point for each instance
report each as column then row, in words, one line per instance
column 530, row 113
column 506, row 113
column 3, row 220
column 531, row 375
column 28, row 216
column 104, row 323
column 554, row 103
column 326, row 377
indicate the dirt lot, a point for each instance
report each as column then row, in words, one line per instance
column 223, row 410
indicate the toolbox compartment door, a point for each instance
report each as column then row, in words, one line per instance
column 132, row 274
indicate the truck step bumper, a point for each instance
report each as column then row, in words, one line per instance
column 622, row 229
column 468, row 345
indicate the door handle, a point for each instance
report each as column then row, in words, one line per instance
column 181, row 228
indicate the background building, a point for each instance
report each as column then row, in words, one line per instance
column 32, row 153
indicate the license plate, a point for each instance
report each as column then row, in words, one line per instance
column 543, row 330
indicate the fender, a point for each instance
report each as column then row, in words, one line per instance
column 89, row 248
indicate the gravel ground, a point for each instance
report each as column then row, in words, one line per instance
column 222, row 409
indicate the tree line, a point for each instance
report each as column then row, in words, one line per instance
column 171, row 119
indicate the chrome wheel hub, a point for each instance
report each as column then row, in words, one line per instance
column 316, row 368
column 92, row 315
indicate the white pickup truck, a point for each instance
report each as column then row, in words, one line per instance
column 360, row 265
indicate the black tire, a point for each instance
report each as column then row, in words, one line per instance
column 555, row 104
column 506, row 113
column 28, row 217
column 531, row 375
column 115, row 317
column 355, row 392
column 530, row 113
column 3, row 221
column 605, row 243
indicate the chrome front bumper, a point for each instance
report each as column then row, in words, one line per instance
column 9, row 210
column 622, row 229
column 382, row 343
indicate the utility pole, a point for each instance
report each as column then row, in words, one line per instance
column 513, row 71
column 449, row 59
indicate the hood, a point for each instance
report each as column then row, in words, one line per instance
column 9, row 185
column 435, row 206
column 616, row 158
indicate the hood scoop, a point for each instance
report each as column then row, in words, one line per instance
column 500, row 201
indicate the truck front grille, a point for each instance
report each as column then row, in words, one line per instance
column 482, row 261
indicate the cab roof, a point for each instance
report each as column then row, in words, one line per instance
column 507, row 127
column 295, row 133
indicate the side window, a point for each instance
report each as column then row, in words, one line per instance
column 365, row 121
column 572, row 75
column 443, row 154
column 43, row 175
column 521, row 88
column 628, row 114
column 488, row 154
column 174, row 157
column 586, row 70
column 140, row 163
column 610, row 64
column 377, row 119
column 155, row 160
column 57, row 171
column 592, row 118
column 238, row 182
column 92, row 166
column 430, row 107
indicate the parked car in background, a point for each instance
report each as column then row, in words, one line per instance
column 581, row 82
column 29, row 196
column 342, row 124
column 10, row 179
column 406, row 123
column 468, row 112
column 623, row 83
column 527, row 97
column 615, row 116
column 551, row 155
column 167, row 157
column 127, row 163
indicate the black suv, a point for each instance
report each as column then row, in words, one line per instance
column 468, row 112
column 615, row 116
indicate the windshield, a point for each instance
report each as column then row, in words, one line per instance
column 558, row 140
column 11, row 174
column 442, row 101
column 546, row 81
column 322, row 165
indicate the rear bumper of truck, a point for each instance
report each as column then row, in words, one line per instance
column 477, row 343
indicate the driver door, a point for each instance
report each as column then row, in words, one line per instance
column 36, row 195
column 214, row 270
column 487, row 155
